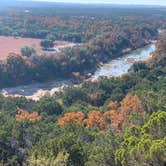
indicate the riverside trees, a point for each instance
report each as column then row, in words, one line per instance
column 94, row 130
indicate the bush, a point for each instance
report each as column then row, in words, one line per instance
column 28, row 51
column 46, row 44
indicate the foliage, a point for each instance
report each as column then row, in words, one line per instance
column 95, row 119
column 72, row 117
column 144, row 145
column 28, row 51
column 101, row 38
column 128, row 106
column 49, row 106
column 23, row 115
column 110, row 122
column 46, row 44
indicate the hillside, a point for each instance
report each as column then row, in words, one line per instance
column 113, row 120
column 118, row 121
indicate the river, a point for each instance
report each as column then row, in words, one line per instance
column 121, row 65
column 114, row 68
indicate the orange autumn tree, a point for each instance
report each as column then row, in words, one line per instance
column 130, row 104
column 72, row 117
column 115, row 117
column 95, row 119
column 23, row 115
column 113, row 104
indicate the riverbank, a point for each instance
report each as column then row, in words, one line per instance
column 121, row 65
column 114, row 68
column 37, row 90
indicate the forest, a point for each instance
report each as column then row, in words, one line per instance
column 112, row 122
column 118, row 121
column 102, row 38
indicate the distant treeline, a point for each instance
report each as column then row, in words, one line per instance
column 77, row 27
column 102, row 37
column 83, row 59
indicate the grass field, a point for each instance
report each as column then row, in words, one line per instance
column 13, row 45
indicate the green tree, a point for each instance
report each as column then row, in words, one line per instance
column 28, row 51
column 46, row 44
column 144, row 145
column 73, row 95
column 49, row 106
column 66, row 146
column 138, row 66
column 102, row 149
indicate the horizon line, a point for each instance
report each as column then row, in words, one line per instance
column 97, row 2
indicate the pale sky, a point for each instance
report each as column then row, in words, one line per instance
column 144, row 2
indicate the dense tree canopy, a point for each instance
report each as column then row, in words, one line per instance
column 93, row 126
column 110, row 122
column 101, row 38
